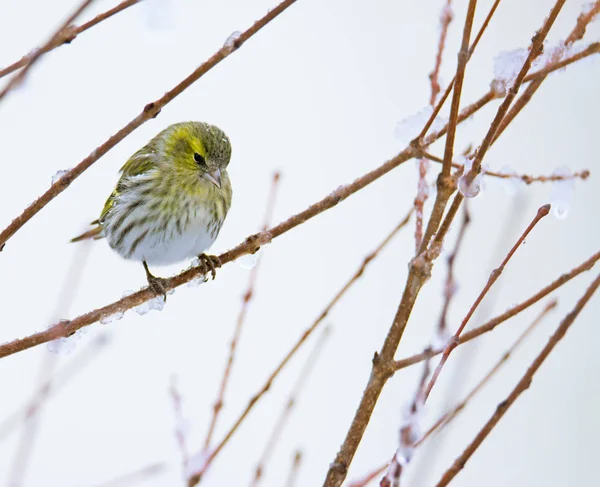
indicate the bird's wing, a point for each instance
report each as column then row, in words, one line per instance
column 140, row 163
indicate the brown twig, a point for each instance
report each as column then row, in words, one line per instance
column 267, row 385
column 57, row 38
column 421, row 198
column 150, row 111
column 450, row 286
column 576, row 34
column 368, row 478
column 510, row 313
column 69, row 35
column 526, row 178
column 285, row 414
column 521, row 386
column 453, row 342
column 293, row 475
column 536, row 48
column 447, row 417
column 409, row 434
column 446, row 94
column 446, row 184
column 247, row 297
column 132, row 478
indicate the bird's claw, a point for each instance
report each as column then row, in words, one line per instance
column 159, row 286
column 209, row 263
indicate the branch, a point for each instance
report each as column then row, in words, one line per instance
column 521, row 387
column 151, row 110
column 453, row 342
column 515, row 310
column 309, row 331
column 277, row 430
column 58, row 37
column 68, row 35
column 218, row 405
column 446, row 418
column 292, row 477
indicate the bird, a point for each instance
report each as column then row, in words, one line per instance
column 170, row 201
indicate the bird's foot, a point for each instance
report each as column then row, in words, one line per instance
column 209, row 263
column 158, row 285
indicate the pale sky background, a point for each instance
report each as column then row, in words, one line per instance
column 317, row 95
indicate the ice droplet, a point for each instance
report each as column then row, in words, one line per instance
column 106, row 319
column 231, row 43
column 507, row 65
column 59, row 174
column 157, row 303
column 511, row 185
column 64, row 345
column 562, row 193
column 467, row 187
column 408, row 128
column 249, row 261
column 196, row 463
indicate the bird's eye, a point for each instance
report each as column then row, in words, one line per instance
column 199, row 158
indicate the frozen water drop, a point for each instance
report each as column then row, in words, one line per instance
column 513, row 184
column 469, row 185
column 196, row 281
column 249, row 261
column 157, row 303
column 507, row 65
column 106, row 319
column 232, row 42
column 410, row 127
column 59, row 174
column 562, row 193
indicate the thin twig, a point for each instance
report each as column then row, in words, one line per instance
column 453, row 342
column 293, row 475
column 247, row 297
column 446, row 184
column 421, row 198
column 69, row 35
column 368, row 478
column 447, row 417
column 150, row 111
column 57, row 37
column 267, row 385
column 510, row 313
column 285, row 414
column 521, row 386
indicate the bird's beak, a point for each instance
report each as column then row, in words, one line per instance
column 214, row 177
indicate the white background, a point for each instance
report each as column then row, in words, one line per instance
column 316, row 95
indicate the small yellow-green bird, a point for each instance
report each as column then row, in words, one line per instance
column 171, row 200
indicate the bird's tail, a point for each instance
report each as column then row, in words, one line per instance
column 95, row 233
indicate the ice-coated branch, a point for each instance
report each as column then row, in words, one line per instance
column 521, row 386
column 68, row 35
column 496, row 273
column 59, row 36
column 150, row 111
column 297, row 345
column 247, row 297
column 510, row 313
